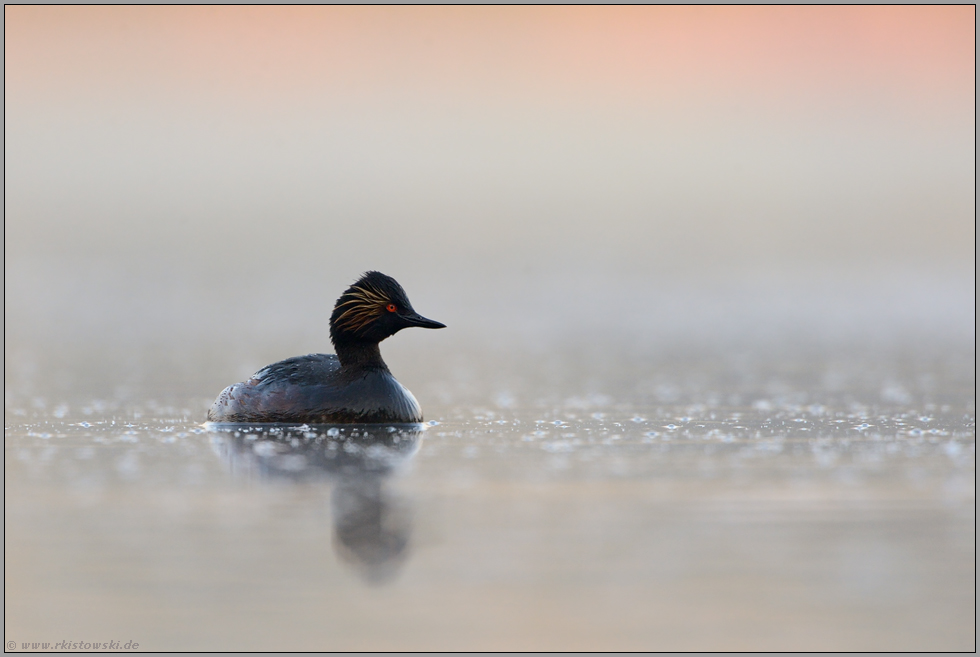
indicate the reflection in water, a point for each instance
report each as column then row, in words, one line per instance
column 372, row 527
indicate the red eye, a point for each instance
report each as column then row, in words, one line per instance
column 391, row 308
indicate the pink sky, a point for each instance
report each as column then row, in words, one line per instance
column 918, row 55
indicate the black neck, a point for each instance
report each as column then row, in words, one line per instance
column 355, row 355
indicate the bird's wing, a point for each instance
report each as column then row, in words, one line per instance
column 311, row 369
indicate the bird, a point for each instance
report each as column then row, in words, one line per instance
column 353, row 386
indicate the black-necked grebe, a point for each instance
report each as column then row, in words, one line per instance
column 353, row 386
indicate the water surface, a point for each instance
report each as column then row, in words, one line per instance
column 582, row 518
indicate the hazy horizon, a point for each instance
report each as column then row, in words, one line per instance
column 187, row 173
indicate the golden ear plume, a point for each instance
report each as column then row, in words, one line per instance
column 366, row 304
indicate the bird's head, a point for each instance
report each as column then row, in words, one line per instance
column 372, row 309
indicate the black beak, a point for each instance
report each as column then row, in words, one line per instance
column 416, row 319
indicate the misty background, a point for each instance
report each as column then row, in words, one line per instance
column 188, row 191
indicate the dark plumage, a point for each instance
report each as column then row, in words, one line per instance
column 353, row 386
